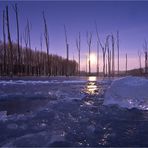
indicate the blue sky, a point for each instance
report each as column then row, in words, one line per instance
column 130, row 18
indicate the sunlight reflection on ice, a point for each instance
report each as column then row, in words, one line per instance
column 92, row 78
column 91, row 86
column 89, row 102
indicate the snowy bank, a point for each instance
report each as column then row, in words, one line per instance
column 128, row 92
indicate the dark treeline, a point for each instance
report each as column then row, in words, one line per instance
column 25, row 61
column 33, row 62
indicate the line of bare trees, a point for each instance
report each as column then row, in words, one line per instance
column 145, row 51
column 143, row 70
column 37, row 65
column 109, row 56
column 18, row 60
column 108, row 53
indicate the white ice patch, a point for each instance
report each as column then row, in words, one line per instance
column 74, row 81
column 14, row 82
column 129, row 92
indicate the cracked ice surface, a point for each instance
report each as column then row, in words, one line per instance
column 66, row 112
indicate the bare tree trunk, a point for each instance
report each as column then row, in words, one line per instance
column 109, row 64
column 21, row 53
column 103, row 49
column 43, row 66
column 46, row 36
column 29, row 53
column 146, row 65
column 113, row 56
column 126, row 64
column 108, row 51
column 118, row 49
column 104, row 59
column 78, row 44
column 4, row 42
column 146, row 56
column 89, row 41
column 86, row 65
column 18, row 38
column 26, row 62
column 98, row 59
column 41, row 56
column 37, row 62
column 108, row 54
column 67, row 52
column 10, row 43
column 106, row 68
column 140, row 66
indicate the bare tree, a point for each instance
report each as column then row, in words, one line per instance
column 41, row 42
column 86, row 65
column 29, row 43
column 126, row 63
column 146, row 56
column 103, row 49
column 106, row 67
column 67, row 51
column 78, row 44
column 22, row 56
column 41, row 56
column 118, row 50
column 29, row 29
column 98, row 66
column 26, row 62
column 4, row 41
column 10, row 42
column 89, row 41
column 46, row 36
column 18, row 38
column 110, row 60
column 139, row 57
column 113, row 56
column 109, row 55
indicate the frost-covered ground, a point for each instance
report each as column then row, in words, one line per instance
column 69, row 112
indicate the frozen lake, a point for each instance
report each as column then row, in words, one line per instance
column 59, row 111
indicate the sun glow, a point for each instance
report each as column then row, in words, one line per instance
column 93, row 58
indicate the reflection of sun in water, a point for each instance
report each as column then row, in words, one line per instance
column 92, row 78
column 91, row 86
column 93, row 58
column 93, row 89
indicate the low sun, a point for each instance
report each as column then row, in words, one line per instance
column 93, row 58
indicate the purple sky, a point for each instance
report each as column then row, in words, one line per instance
column 130, row 18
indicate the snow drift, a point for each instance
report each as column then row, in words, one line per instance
column 129, row 92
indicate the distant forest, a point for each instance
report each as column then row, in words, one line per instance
column 25, row 61
column 33, row 62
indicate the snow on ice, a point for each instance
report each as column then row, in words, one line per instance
column 129, row 92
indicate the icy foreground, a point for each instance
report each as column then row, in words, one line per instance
column 129, row 92
column 66, row 112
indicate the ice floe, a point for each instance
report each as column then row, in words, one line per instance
column 128, row 92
